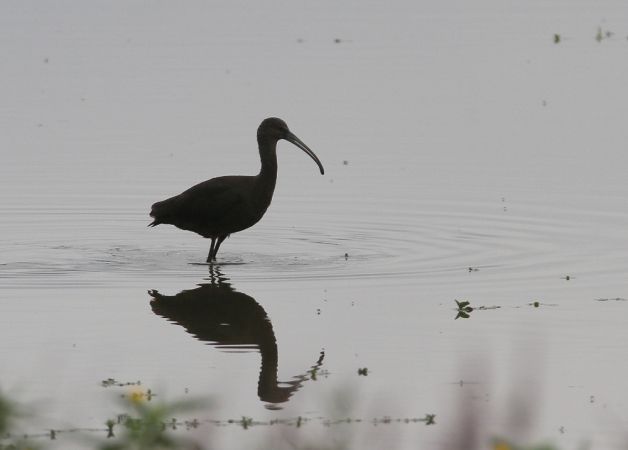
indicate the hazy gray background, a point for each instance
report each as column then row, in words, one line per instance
column 470, row 140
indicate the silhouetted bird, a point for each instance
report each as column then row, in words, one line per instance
column 218, row 207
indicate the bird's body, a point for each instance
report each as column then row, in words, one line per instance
column 218, row 207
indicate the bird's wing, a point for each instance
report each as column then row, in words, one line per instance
column 206, row 201
column 213, row 199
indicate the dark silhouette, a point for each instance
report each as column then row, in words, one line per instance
column 218, row 207
column 227, row 319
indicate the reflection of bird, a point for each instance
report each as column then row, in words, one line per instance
column 218, row 207
column 216, row 313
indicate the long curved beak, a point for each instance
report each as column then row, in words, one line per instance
column 299, row 143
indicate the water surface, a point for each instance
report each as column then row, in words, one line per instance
column 467, row 157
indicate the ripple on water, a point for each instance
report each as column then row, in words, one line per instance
column 400, row 242
column 431, row 240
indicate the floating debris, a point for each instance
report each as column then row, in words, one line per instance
column 616, row 299
column 567, row 277
column 113, row 382
column 246, row 422
column 537, row 304
column 149, row 424
column 346, row 256
column 473, row 269
column 345, row 162
column 556, row 38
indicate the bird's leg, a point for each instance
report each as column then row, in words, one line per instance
column 220, row 239
column 211, row 251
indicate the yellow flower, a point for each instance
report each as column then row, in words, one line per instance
column 501, row 445
column 137, row 395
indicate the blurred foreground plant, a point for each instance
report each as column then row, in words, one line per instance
column 501, row 444
column 6, row 409
column 147, row 423
column 8, row 414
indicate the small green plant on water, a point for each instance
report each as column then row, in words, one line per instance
column 464, row 309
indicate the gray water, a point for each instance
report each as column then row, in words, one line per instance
column 467, row 156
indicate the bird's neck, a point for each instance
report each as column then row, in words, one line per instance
column 268, row 157
column 265, row 184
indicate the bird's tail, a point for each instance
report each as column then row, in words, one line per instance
column 155, row 222
column 160, row 211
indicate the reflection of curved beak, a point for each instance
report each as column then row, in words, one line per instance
column 299, row 143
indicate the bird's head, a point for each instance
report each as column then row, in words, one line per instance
column 274, row 129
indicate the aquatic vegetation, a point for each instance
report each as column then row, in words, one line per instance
column 9, row 439
column 149, row 425
column 246, row 422
column 603, row 34
column 430, row 419
column 315, row 372
column 139, row 395
column 146, row 425
column 6, row 411
column 364, row 371
column 464, row 309
column 502, row 444
column 556, row 38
